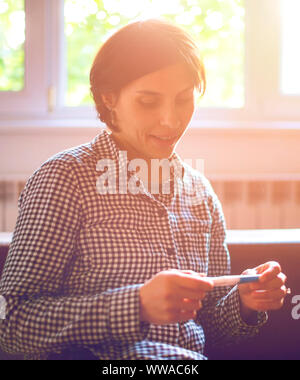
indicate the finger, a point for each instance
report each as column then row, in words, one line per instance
column 193, row 283
column 250, row 272
column 189, row 305
column 194, row 273
column 268, row 271
column 276, row 283
column 263, row 267
column 269, row 295
column 183, row 293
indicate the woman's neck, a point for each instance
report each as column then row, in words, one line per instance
column 153, row 177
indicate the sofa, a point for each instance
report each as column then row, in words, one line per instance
column 279, row 339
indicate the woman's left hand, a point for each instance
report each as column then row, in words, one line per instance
column 267, row 294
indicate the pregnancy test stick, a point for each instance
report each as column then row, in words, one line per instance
column 233, row 280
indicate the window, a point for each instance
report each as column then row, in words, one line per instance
column 248, row 46
column 12, row 37
column 280, row 98
column 22, row 53
column 218, row 27
column 290, row 54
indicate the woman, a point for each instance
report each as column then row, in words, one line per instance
column 111, row 262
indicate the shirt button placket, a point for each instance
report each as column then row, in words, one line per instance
column 171, row 251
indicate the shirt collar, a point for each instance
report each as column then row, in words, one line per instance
column 114, row 153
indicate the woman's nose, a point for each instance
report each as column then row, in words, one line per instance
column 169, row 118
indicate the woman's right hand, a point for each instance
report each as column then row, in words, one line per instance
column 173, row 296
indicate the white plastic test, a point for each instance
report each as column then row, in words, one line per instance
column 233, row 280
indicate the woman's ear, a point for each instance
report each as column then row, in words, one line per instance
column 109, row 99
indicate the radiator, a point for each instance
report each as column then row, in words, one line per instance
column 259, row 203
column 248, row 203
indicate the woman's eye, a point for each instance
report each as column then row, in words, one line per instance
column 151, row 102
column 148, row 102
column 147, row 99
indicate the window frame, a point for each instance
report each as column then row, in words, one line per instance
column 42, row 98
column 29, row 102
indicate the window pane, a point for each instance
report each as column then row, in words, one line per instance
column 12, row 37
column 217, row 25
column 290, row 77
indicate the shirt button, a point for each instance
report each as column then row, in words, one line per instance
column 170, row 251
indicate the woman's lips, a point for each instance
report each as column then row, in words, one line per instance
column 164, row 141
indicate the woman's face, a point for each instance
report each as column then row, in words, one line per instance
column 154, row 111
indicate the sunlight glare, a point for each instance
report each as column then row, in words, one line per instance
column 16, row 34
column 214, row 20
column 3, row 6
column 290, row 54
column 186, row 18
column 76, row 11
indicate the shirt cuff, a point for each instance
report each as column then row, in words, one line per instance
column 124, row 315
column 240, row 326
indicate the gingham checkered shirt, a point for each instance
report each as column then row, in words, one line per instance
column 78, row 259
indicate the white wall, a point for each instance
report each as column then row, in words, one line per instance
column 226, row 151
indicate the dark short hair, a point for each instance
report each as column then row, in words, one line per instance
column 138, row 49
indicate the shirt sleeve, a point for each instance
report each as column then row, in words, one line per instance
column 220, row 314
column 38, row 317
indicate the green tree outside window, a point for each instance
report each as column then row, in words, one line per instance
column 12, row 37
column 217, row 25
